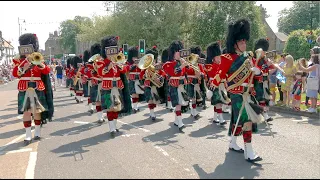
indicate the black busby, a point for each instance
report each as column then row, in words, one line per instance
column 132, row 52
column 202, row 55
column 76, row 60
column 224, row 51
column 237, row 31
column 196, row 50
column 165, row 55
column 153, row 51
column 29, row 38
column 107, row 42
column 263, row 44
column 213, row 50
column 68, row 63
column 95, row 49
column 86, row 56
column 175, row 46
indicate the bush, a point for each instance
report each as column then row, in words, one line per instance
column 297, row 44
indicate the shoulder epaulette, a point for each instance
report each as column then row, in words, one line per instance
column 227, row 56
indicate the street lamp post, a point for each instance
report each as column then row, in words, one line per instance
column 311, row 5
column 20, row 27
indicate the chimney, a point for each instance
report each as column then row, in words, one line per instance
column 55, row 33
column 50, row 35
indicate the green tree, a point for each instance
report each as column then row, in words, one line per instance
column 69, row 30
column 297, row 44
column 299, row 17
column 211, row 22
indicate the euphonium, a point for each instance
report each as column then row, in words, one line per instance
column 192, row 61
column 95, row 58
column 151, row 74
column 35, row 58
column 119, row 60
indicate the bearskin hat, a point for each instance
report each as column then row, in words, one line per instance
column 224, row 51
column 132, row 52
column 237, row 31
column 86, row 56
column 213, row 50
column 95, row 49
column 196, row 50
column 68, row 62
column 202, row 55
column 107, row 42
column 29, row 38
column 263, row 44
column 165, row 55
column 76, row 60
column 175, row 46
column 153, row 51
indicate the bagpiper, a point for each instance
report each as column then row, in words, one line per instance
column 217, row 95
column 96, row 80
column 77, row 80
column 136, row 88
column 175, row 69
column 261, row 84
column 70, row 77
column 115, row 96
column 153, row 79
column 86, row 78
column 34, row 86
column 238, row 66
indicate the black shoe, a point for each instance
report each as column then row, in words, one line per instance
column 224, row 112
column 117, row 130
column 270, row 119
column 27, row 142
column 77, row 100
column 255, row 159
column 101, row 121
column 134, row 111
column 216, row 121
column 181, row 128
column 36, row 138
column 204, row 107
column 238, row 151
column 50, row 119
column 197, row 117
column 90, row 111
column 223, row 123
column 44, row 121
column 153, row 118
column 113, row 133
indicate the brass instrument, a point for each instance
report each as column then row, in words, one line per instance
column 192, row 61
column 35, row 58
column 119, row 60
column 95, row 58
column 151, row 74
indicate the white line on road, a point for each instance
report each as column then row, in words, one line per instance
column 16, row 151
column 13, row 141
column 145, row 130
column 81, row 122
column 31, row 165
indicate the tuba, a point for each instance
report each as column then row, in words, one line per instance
column 35, row 58
column 94, row 59
column 192, row 61
column 146, row 63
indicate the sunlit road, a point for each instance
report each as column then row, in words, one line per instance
column 75, row 146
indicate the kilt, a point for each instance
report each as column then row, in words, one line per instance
column 41, row 96
column 258, row 87
column 236, row 103
column 69, row 82
column 106, row 101
column 132, row 88
column 86, row 89
column 216, row 98
column 147, row 94
column 93, row 93
column 173, row 93
column 77, row 87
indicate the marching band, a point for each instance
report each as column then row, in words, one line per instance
column 183, row 79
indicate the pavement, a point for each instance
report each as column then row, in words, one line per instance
column 75, row 146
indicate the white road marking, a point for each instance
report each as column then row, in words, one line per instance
column 81, row 122
column 128, row 135
column 31, row 165
column 16, row 151
column 145, row 130
column 13, row 141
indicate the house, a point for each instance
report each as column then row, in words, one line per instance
column 281, row 40
column 53, row 45
column 6, row 51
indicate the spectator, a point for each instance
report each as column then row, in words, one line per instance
column 59, row 71
column 289, row 71
column 281, row 65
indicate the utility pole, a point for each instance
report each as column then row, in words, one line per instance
column 20, row 26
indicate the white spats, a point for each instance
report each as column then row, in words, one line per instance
column 169, row 105
column 152, row 113
column 221, row 119
column 215, row 116
column 100, row 115
column 180, row 123
column 233, row 144
column 135, row 106
column 91, row 107
column 266, row 116
column 248, row 152
column 112, row 126
column 176, row 120
column 37, row 131
column 28, row 134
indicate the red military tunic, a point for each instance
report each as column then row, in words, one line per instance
column 112, row 75
column 34, row 75
column 174, row 78
column 241, row 79
column 191, row 74
column 211, row 71
column 133, row 73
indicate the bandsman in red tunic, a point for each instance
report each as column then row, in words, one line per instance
column 86, row 78
column 175, row 69
column 77, row 80
column 164, row 59
column 237, row 66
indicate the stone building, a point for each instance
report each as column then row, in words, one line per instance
column 82, row 46
column 6, row 51
column 53, row 44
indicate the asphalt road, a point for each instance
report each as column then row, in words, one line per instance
column 75, row 146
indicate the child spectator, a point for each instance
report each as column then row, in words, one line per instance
column 296, row 91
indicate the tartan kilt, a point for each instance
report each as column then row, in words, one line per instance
column 236, row 103
column 190, row 90
column 216, row 98
column 69, row 82
column 94, row 93
column 173, row 93
column 85, row 89
column 41, row 96
column 258, row 87
column 147, row 94
column 132, row 88
column 106, row 101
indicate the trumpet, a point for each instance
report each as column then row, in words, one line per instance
column 35, row 58
column 119, row 60
column 192, row 61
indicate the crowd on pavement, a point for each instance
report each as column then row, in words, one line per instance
column 5, row 73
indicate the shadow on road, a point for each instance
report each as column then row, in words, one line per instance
column 10, row 109
column 10, row 122
column 68, row 118
column 8, row 116
column 74, row 130
column 14, row 133
column 141, row 123
column 234, row 167
column 211, row 131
